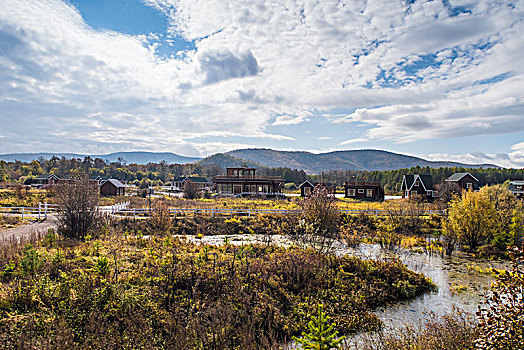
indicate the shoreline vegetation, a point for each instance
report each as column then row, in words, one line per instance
column 121, row 291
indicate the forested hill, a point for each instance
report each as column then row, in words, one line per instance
column 363, row 160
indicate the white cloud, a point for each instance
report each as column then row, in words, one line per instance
column 408, row 71
column 355, row 140
column 291, row 119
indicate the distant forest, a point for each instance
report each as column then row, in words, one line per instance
column 161, row 173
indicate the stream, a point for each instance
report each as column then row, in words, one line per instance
column 458, row 285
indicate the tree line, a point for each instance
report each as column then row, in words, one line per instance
column 160, row 173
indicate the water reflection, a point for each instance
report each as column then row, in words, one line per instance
column 458, row 285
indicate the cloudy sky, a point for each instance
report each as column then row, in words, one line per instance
column 439, row 79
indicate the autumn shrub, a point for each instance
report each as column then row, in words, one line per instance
column 491, row 218
column 318, row 221
column 501, row 316
column 453, row 331
column 77, row 207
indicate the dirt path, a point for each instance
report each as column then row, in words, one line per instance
column 26, row 230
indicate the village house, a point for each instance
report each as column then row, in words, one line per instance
column 306, row 188
column 201, row 183
column 112, row 187
column 45, row 180
column 244, row 181
column 421, row 185
column 517, row 188
column 466, row 181
column 364, row 190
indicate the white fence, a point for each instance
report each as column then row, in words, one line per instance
column 122, row 209
column 41, row 210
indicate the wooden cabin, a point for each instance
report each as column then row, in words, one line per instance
column 466, row 181
column 421, row 185
column 306, row 188
column 45, row 180
column 517, row 188
column 244, row 181
column 201, row 183
column 112, row 187
column 364, row 190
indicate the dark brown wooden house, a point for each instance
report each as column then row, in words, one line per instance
column 364, row 190
column 112, row 187
column 421, row 185
column 45, row 180
column 466, row 181
column 306, row 188
column 244, row 181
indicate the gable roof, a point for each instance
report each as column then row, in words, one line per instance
column 425, row 180
column 304, row 183
column 197, row 179
column 517, row 182
column 459, row 176
column 114, row 182
column 46, row 176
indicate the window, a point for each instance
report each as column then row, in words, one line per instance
column 369, row 192
column 307, row 190
column 469, row 185
column 360, row 190
column 417, row 183
column 430, row 193
column 351, row 192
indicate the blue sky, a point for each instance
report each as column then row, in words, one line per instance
column 437, row 79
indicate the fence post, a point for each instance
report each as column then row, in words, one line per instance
column 39, row 210
column 134, row 214
column 45, row 210
column 22, row 213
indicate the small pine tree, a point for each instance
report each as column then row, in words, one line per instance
column 321, row 335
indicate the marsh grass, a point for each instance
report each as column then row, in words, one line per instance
column 120, row 290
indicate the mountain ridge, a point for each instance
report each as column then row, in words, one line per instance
column 312, row 163
column 364, row 160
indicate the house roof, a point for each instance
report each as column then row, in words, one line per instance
column 459, row 176
column 197, row 179
column 114, row 182
column 306, row 182
column 518, row 182
column 426, row 181
column 45, row 176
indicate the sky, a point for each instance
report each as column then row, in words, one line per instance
column 443, row 80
